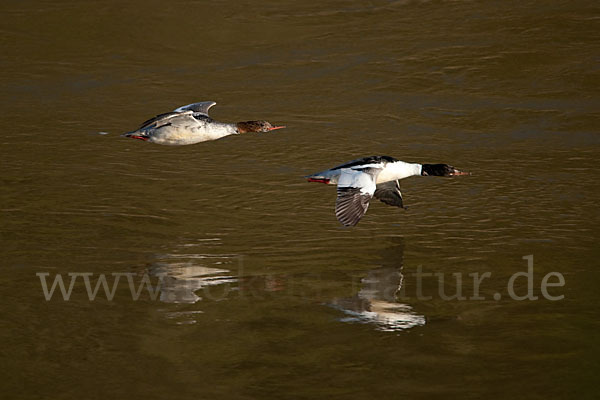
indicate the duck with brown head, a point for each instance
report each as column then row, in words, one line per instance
column 191, row 124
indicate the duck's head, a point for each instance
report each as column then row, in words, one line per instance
column 256, row 126
column 440, row 170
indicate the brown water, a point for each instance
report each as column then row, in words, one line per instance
column 264, row 294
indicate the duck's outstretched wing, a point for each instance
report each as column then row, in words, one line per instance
column 199, row 109
column 389, row 193
column 354, row 192
column 163, row 119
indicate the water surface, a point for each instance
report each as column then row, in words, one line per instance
column 265, row 295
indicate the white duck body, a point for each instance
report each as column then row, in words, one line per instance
column 389, row 169
column 397, row 170
column 185, row 128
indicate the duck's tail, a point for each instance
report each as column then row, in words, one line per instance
column 318, row 178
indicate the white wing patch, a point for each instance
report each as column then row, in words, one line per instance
column 363, row 179
column 198, row 108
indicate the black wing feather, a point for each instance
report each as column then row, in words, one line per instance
column 351, row 204
column 366, row 160
column 389, row 193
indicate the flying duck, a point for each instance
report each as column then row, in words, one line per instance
column 191, row 124
column 359, row 180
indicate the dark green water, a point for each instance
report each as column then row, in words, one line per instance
column 264, row 294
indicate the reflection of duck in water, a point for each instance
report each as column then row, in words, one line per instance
column 181, row 280
column 196, row 278
column 376, row 301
